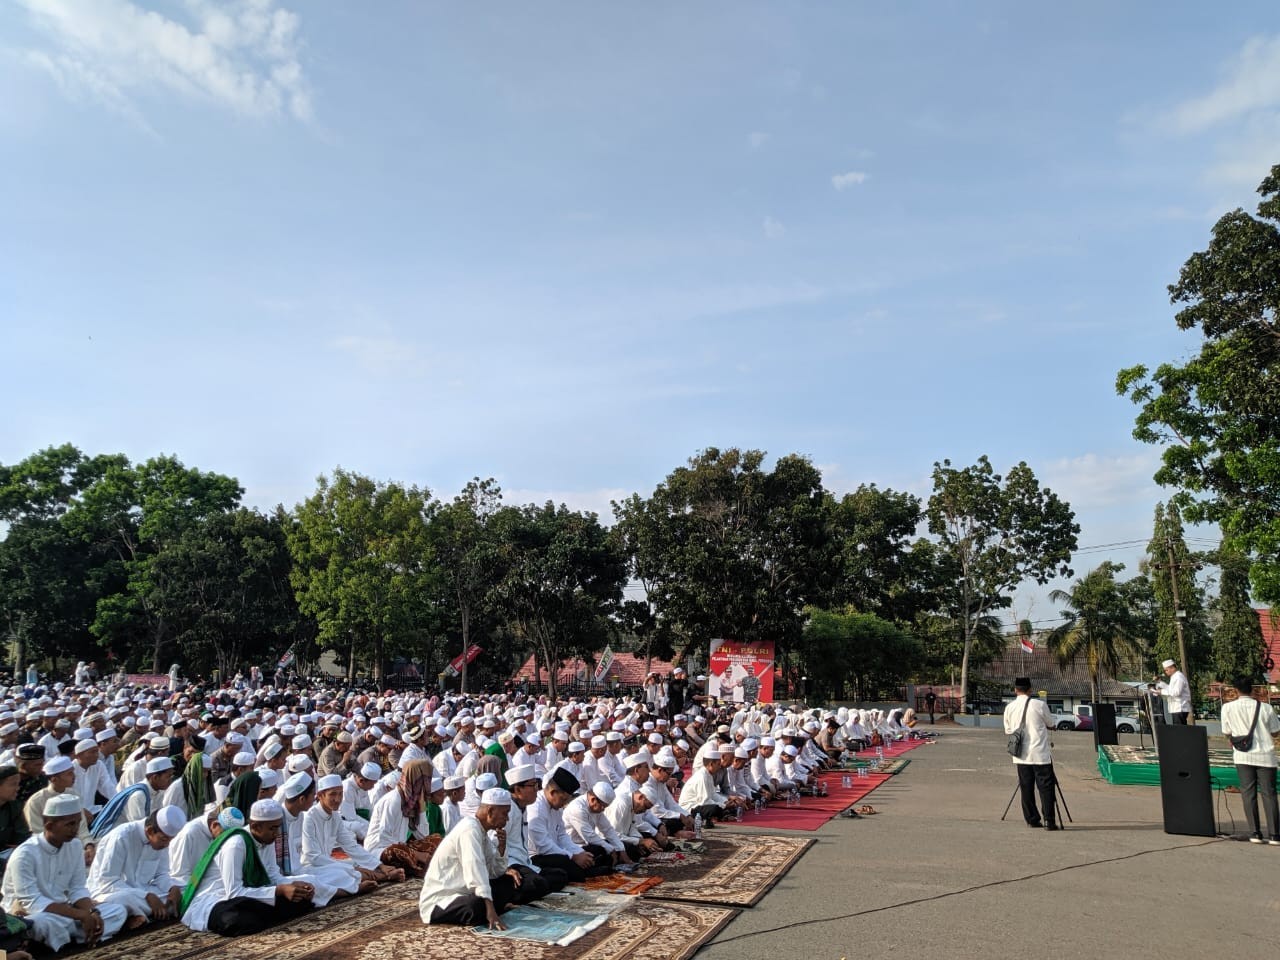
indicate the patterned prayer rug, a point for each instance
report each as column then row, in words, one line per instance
column 622, row 883
column 736, row 869
column 384, row 925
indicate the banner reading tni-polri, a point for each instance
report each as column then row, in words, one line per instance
column 741, row 672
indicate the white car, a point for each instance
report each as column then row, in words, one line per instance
column 1063, row 721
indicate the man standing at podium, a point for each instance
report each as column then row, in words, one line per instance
column 1035, row 765
column 1177, row 693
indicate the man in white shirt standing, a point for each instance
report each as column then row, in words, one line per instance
column 1035, row 764
column 1256, row 766
column 1177, row 693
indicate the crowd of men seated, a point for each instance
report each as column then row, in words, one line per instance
column 237, row 810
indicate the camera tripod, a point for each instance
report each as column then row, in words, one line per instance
column 1059, row 795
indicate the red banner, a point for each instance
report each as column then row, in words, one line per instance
column 741, row 672
column 147, row 679
column 455, row 665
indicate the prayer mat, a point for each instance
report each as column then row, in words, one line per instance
column 736, row 870
column 809, row 813
column 384, row 925
column 1128, row 765
column 893, row 749
column 890, row 765
column 622, row 883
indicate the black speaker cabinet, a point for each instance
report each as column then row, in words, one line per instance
column 1185, row 791
column 1104, row 724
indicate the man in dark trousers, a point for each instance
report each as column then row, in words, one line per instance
column 1035, row 764
column 931, row 701
column 677, row 683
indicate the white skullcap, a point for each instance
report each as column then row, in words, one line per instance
column 486, row 781
column 454, row 782
column 603, row 791
column 388, row 740
column 750, row 743
column 665, row 760
column 159, row 765
column 297, row 785
column 105, row 735
column 768, row 742
column 437, row 784
column 230, row 818
column 742, row 753
column 272, row 750
column 328, row 783
column 520, row 774
column 577, row 747
column 62, row 804
column 241, row 760
column 790, row 751
column 613, row 736
column 534, row 739
column 170, row 820
column 635, row 760
column 495, row 797
column 85, row 745
column 298, row 763
column 270, row 778
column 598, row 742
column 371, row 771
column 1167, row 663
column 264, row 811
column 301, row 742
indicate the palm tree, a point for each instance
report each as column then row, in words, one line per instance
column 1099, row 625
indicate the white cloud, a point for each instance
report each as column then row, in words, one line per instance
column 242, row 55
column 1243, row 111
column 774, row 229
column 1092, row 482
column 757, row 139
column 843, row 181
column 1252, row 83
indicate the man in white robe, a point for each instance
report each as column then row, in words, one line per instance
column 131, row 867
column 158, row 779
column 469, row 882
column 324, row 831
column 194, row 839
column 225, row 904
column 357, row 805
column 45, row 882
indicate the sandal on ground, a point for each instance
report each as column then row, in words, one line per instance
column 867, row 810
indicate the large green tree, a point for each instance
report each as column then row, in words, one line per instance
column 562, row 575
column 1215, row 414
column 1099, row 627
column 461, row 536
column 997, row 532
column 849, row 653
column 1238, row 646
column 1179, row 597
column 727, row 548
column 363, row 566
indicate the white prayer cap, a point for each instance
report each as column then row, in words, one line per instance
column 235, row 739
column 486, row 781
column 371, row 771
column 455, row 781
column 301, row 742
column 576, row 747
column 170, row 820
column 597, row 743
column 84, row 733
column 635, row 760
column 768, row 742
column 8, row 728
column 105, row 735
column 742, row 753
column 665, row 760
column 603, row 791
column 683, row 745
column 297, row 785
column 270, row 778
column 656, row 739
column 264, row 811
column 1166, row 663
column 520, row 774
column 62, row 805
column 331, row 782
column 388, row 740
column 57, row 765
column 159, row 766
column 534, row 739
column 242, row 760
column 495, row 797
column 437, row 784
column 85, row 745
column 613, row 736
column 272, row 750
column 790, row 751
column 726, row 748
column 230, row 818
column 298, row 763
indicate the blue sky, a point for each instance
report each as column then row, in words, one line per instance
column 569, row 244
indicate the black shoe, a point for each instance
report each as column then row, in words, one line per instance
column 1053, row 826
column 1035, row 826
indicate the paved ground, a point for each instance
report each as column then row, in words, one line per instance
column 937, row 873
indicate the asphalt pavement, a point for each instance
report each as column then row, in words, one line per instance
column 936, row 873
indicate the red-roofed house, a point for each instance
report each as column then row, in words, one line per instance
column 1271, row 637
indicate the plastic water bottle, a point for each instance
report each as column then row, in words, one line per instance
column 880, row 753
column 697, row 826
column 846, row 781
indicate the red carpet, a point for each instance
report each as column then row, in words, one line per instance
column 895, row 749
column 812, row 812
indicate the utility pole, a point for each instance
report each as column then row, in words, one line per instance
column 1178, row 615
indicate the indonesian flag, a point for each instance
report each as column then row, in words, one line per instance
column 1028, row 645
